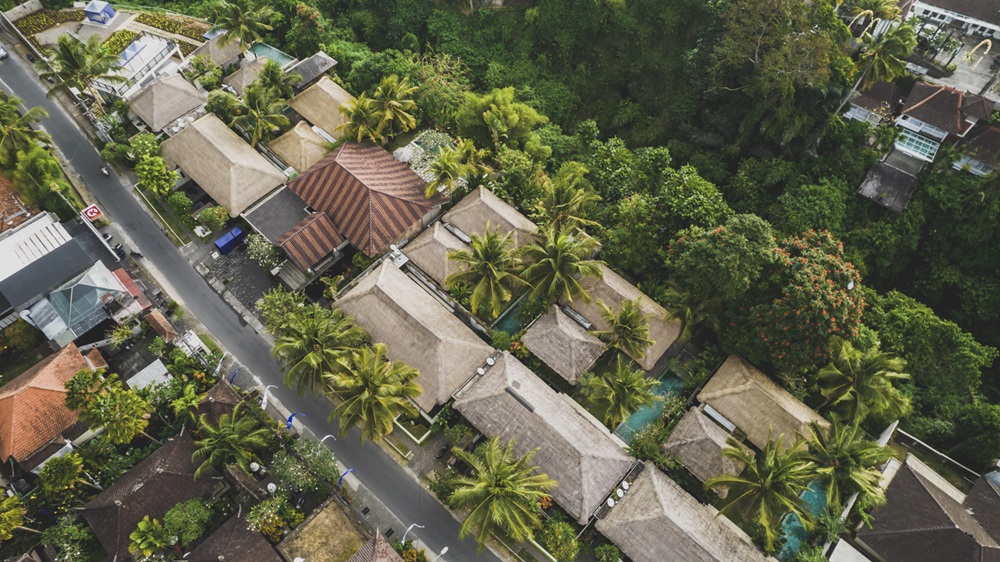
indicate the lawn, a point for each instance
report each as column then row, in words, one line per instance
column 330, row 536
column 13, row 364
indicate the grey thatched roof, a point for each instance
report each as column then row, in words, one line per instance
column 657, row 521
column 300, row 147
column 756, row 405
column 480, row 207
column 698, row 442
column 245, row 74
column 429, row 251
column 576, row 450
column 418, row 330
column 165, row 101
column 312, row 68
column 563, row 344
column 611, row 289
column 222, row 163
column 320, row 105
column 215, row 50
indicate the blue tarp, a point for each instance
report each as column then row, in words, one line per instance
column 230, row 240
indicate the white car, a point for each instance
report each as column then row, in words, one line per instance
column 3, row 53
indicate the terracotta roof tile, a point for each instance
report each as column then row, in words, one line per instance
column 96, row 360
column 376, row 550
column 159, row 323
column 132, row 287
column 308, row 242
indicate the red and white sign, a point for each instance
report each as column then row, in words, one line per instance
column 92, row 213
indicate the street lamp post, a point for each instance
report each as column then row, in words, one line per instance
column 320, row 445
column 263, row 400
column 408, row 531
column 443, row 552
column 218, row 367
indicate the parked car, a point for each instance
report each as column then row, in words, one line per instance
column 3, row 53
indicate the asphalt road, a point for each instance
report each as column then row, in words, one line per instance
column 376, row 470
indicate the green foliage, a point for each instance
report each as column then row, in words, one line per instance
column 61, row 474
column 309, row 467
column 214, row 218
column 39, row 178
column 559, row 539
column 154, row 175
column 73, row 541
column 233, row 440
column 822, row 206
column 490, row 267
column 187, row 521
column 607, row 553
column 144, row 145
column 495, row 119
column 620, row 391
column 454, row 434
column 262, row 251
column 119, row 336
column 978, row 428
column 274, row 515
column 179, row 203
column 223, row 104
column 148, row 537
column 118, row 40
column 20, row 337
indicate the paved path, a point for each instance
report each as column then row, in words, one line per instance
column 376, row 470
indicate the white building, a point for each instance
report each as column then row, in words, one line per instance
column 146, row 58
column 979, row 17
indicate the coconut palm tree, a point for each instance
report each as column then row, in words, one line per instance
column 241, row 20
column 491, row 267
column 122, row 413
column 281, row 85
column 17, row 130
column 311, row 346
column 883, row 58
column 628, row 329
column 691, row 311
column 63, row 473
column 12, row 512
column 862, row 11
column 502, row 490
column 620, row 391
column 362, row 121
column 393, row 106
column 566, row 200
column 857, row 382
column 769, row 486
column 447, row 169
column 846, row 462
column 75, row 64
column 186, row 405
column 85, row 386
column 557, row 262
column 260, row 113
column 374, row 391
column 233, row 441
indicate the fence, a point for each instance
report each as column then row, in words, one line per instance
column 28, row 8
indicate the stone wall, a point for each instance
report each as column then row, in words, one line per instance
column 18, row 12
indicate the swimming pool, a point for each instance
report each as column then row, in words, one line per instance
column 670, row 385
column 509, row 320
column 271, row 53
column 792, row 529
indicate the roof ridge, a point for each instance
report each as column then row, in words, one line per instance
column 925, row 100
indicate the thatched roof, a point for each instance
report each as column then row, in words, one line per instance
column 698, row 442
column 245, row 75
column 320, row 105
column 165, row 101
column 418, row 330
column 574, row 449
column 563, row 344
column 234, row 541
column 480, row 207
column 756, row 405
column 613, row 290
column 222, row 163
column 429, row 251
column 312, row 68
column 300, row 147
column 215, row 50
column 657, row 521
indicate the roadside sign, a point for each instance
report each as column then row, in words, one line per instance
column 92, row 213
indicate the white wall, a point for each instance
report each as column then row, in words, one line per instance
column 18, row 12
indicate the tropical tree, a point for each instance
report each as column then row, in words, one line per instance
column 311, row 346
column 883, row 58
column 85, row 386
column 566, row 200
column 12, row 512
column 122, row 413
column 153, row 174
column 63, row 473
column 847, row 462
column 769, row 486
column 17, row 130
column 858, row 382
column 447, row 170
column 393, row 105
column 863, row 10
column 362, row 122
column 490, row 268
column 628, row 329
column 557, row 262
column 260, row 113
column 374, row 391
column 233, row 441
column 148, row 537
column 75, row 64
column 502, row 490
column 692, row 312
column 241, row 20
column 621, row 391
column 186, row 405
column 272, row 78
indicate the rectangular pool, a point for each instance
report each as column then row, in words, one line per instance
column 271, row 53
column 670, row 385
column 510, row 320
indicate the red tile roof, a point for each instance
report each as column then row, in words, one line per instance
column 96, row 360
column 308, row 242
column 132, row 288
column 32, row 406
column 371, row 197
column 376, row 550
column 159, row 323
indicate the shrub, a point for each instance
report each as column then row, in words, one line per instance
column 73, row 541
column 607, row 553
column 179, row 203
column 263, row 251
column 214, row 218
column 272, row 516
column 559, row 538
column 454, row 434
column 187, row 521
column 118, row 40
column 144, row 145
column 154, row 175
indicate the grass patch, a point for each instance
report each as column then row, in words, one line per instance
column 168, row 217
column 330, row 535
column 210, row 344
column 14, row 365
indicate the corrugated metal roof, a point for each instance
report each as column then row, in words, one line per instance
column 46, row 273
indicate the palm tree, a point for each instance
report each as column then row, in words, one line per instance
column 566, row 199
column 122, row 413
column 628, row 330
column 186, row 405
column 242, row 20
column 62, row 473
column 259, row 113
column 557, row 262
column 857, row 382
column 75, row 64
column 447, row 169
column 272, row 77
column 374, row 391
column 392, row 105
column 502, row 490
column 620, row 392
column 846, row 462
column 232, row 441
column 85, row 386
column 691, row 311
column 491, row 267
column 12, row 512
column 17, row 130
column 362, row 121
column 769, row 486
column 312, row 344
column 883, row 58
column 861, row 10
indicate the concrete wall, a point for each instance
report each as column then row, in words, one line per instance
column 18, row 12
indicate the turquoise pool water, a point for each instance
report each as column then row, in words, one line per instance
column 509, row 321
column 265, row 50
column 795, row 535
column 670, row 384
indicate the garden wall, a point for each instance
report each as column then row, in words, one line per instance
column 18, row 12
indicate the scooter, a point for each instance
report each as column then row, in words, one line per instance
column 135, row 254
column 104, row 170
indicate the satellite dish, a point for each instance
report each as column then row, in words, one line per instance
column 272, row 488
column 619, row 492
column 491, row 361
column 481, row 371
column 611, row 502
column 254, row 467
column 625, row 484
